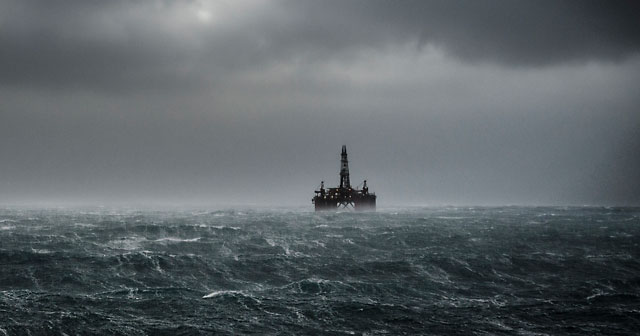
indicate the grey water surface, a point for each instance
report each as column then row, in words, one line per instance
column 440, row 271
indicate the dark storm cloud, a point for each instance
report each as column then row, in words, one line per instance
column 160, row 44
column 512, row 32
column 248, row 101
column 118, row 44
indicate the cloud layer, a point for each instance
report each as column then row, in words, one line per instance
column 439, row 102
column 167, row 44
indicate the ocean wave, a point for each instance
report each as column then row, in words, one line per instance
column 126, row 243
column 223, row 292
column 505, row 270
column 177, row 240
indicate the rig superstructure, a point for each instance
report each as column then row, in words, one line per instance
column 344, row 196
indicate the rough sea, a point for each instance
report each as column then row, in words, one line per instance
column 428, row 271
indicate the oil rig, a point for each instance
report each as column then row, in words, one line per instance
column 344, row 196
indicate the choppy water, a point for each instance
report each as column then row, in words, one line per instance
column 511, row 270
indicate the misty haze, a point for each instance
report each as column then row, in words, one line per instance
column 159, row 160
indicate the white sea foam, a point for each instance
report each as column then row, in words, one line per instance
column 85, row 225
column 319, row 243
column 126, row 243
column 177, row 240
column 221, row 227
column 221, row 292
column 41, row 251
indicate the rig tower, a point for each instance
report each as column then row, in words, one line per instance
column 344, row 196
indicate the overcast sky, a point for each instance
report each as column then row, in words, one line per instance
column 249, row 102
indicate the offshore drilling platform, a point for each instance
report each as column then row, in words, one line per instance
column 344, row 196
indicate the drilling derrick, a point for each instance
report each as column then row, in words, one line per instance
column 344, row 196
column 344, row 169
